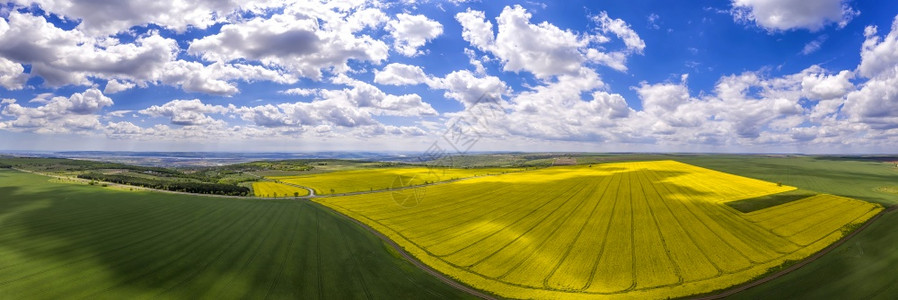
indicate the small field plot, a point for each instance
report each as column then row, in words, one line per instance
column 382, row 178
column 274, row 190
column 619, row 230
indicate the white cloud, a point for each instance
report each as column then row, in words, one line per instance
column 879, row 55
column 217, row 78
column 475, row 61
column 303, row 43
column 622, row 30
column 63, row 57
column 876, row 103
column 469, row 89
column 185, row 112
column 476, row 29
column 114, row 86
column 557, row 111
column 544, row 49
column 819, row 85
column 400, row 74
column 336, row 112
column 793, row 14
column 89, row 102
column 329, row 41
column 119, row 113
column 411, row 32
column 369, row 97
column 12, row 75
column 353, row 106
column 110, row 17
column 299, row 92
column 122, row 128
column 814, row 45
column 75, row 113
column 660, row 99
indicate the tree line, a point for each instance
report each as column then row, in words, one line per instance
column 188, row 187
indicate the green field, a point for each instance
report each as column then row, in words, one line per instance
column 67, row 241
column 863, row 267
column 853, row 178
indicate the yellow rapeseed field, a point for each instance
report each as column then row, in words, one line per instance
column 619, row 230
column 382, row 178
column 274, row 189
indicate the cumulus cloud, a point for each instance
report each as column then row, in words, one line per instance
column 335, row 43
column 63, row 57
column 410, row 32
column 469, row 89
column 68, row 57
column 185, row 112
column 217, row 78
column 743, row 109
column 544, row 49
column 476, row 29
column 363, row 95
column 354, row 106
column 817, row 84
column 110, row 17
column 400, row 74
column 334, row 112
column 114, row 86
column 299, row 92
column 876, row 102
column 75, row 113
column 878, row 54
column 304, row 42
column 12, row 76
column 558, row 111
column 793, row 14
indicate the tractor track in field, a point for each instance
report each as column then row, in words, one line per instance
column 812, row 258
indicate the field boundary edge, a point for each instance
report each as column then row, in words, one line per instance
column 737, row 289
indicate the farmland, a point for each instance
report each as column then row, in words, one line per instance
column 374, row 179
column 634, row 229
column 65, row 241
column 854, row 270
column 274, row 190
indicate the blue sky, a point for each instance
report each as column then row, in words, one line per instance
column 696, row 76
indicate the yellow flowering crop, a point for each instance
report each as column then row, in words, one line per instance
column 374, row 179
column 274, row 189
column 619, row 230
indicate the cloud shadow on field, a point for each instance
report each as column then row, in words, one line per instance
column 87, row 241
